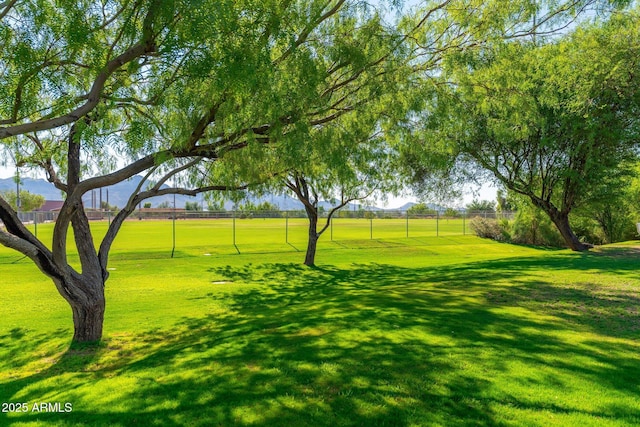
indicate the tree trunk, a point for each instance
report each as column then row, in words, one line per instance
column 87, row 301
column 561, row 221
column 87, row 321
column 312, row 242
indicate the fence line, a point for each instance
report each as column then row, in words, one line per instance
column 382, row 224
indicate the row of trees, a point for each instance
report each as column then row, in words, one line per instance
column 331, row 99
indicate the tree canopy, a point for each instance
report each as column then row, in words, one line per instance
column 28, row 201
column 218, row 95
column 554, row 122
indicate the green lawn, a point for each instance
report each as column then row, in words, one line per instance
column 448, row 330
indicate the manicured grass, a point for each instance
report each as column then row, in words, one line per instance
column 392, row 331
column 259, row 234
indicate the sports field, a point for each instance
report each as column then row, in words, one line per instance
column 425, row 330
column 219, row 235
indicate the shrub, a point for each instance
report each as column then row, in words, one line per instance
column 489, row 229
column 607, row 226
column 531, row 226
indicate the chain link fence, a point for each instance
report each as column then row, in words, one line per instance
column 285, row 227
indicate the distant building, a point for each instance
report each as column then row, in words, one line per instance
column 51, row 206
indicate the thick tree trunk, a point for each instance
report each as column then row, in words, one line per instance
column 312, row 242
column 561, row 221
column 87, row 321
column 87, row 301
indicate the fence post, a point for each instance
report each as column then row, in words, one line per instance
column 234, row 232
column 464, row 217
column 331, row 228
column 407, row 215
column 35, row 222
column 173, row 249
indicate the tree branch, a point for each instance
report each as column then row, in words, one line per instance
column 145, row 46
column 7, row 5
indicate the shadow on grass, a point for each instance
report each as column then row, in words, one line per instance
column 367, row 345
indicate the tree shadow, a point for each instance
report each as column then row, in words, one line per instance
column 372, row 344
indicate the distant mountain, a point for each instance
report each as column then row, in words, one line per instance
column 408, row 205
column 35, row 186
column 405, row 206
column 118, row 195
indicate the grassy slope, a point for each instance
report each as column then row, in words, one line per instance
column 422, row 331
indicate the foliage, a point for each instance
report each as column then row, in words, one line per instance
column 107, row 207
column 214, row 206
column 193, row 206
column 544, row 125
column 531, row 226
column 602, row 224
column 165, row 205
column 421, row 209
column 28, row 201
column 489, row 228
column 147, row 205
column 632, row 193
column 608, row 215
column 504, row 200
column 451, row 213
column 262, row 209
column 211, row 96
column 481, row 206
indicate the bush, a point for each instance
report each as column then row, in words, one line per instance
column 604, row 227
column 489, row 229
column 531, row 226
column 587, row 230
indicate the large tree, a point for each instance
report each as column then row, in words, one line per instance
column 96, row 92
column 552, row 121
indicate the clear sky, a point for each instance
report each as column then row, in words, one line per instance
column 484, row 193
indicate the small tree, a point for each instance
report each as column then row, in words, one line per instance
column 421, row 209
column 481, row 206
column 451, row 213
column 214, row 206
column 28, row 201
column 192, row 206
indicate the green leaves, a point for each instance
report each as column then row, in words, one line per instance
column 553, row 122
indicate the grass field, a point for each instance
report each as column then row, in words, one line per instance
column 426, row 330
column 251, row 235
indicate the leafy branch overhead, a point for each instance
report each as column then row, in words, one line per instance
column 219, row 96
